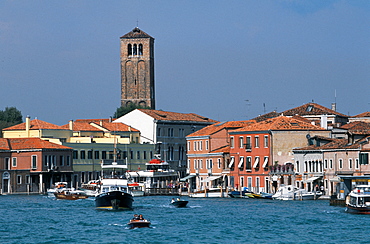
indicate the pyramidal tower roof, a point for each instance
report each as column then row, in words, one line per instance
column 136, row 33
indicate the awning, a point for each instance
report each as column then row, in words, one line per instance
column 211, row 178
column 313, row 178
column 187, row 177
column 335, row 179
column 265, row 162
column 257, row 160
column 241, row 161
column 231, row 162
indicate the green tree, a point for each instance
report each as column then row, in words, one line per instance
column 9, row 117
column 125, row 110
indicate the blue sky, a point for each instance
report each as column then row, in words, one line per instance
column 227, row 60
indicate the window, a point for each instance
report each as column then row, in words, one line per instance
column 250, row 183
column 232, row 142
column 82, row 154
column 96, row 154
column 138, row 154
column 129, row 49
column 131, row 154
column 89, row 154
column 68, row 160
column 241, row 181
column 364, row 158
column 241, row 142
column 188, row 164
column 75, row 154
column 61, row 160
column 201, row 164
column 241, row 163
column 104, row 155
column 134, row 52
column 357, row 163
column 248, row 165
column 219, row 163
column 206, row 145
column 248, row 143
column 341, row 163
column 195, row 146
column 210, row 164
column 297, row 166
column 325, row 164
column 188, row 145
column 14, row 162
column 195, row 164
column 200, row 145
column 350, row 163
column 28, row 179
column 19, row 179
column 7, row 163
column 159, row 131
column 266, row 141
column 34, row 161
column 256, row 142
column 111, row 155
column 331, row 163
column 265, row 161
column 144, row 154
column 140, row 49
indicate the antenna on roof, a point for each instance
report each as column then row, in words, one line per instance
column 137, row 23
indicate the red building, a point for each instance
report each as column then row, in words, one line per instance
column 31, row 165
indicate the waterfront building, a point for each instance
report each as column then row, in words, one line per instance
column 31, row 165
column 208, row 153
column 168, row 131
column 137, row 69
column 92, row 140
column 262, row 153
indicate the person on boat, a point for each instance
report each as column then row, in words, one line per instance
column 173, row 200
column 178, row 199
column 136, row 217
column 141, row 217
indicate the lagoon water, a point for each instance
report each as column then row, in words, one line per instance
column 39, row 219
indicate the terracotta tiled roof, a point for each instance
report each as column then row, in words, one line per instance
column 334, row 144
column 280, row 123
column 365, row 114
column 81, row 126
column 357, row 127
column 35, row 124
column 311, row 109
column 136, row 33
column 224, row 149
column 100, row 125
column 28, row 143
column 211, row 129
column 117, row 127
column 173, row 116
column 270, row 115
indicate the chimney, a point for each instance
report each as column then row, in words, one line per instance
column 101, row 122
column 71, row 125
column 28, row 125
column 334, row 106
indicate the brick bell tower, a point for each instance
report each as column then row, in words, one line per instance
column 137, row 69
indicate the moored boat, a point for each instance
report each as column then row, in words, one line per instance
column 214, row 192
column 290, row 192
column 358, row 200
column 58, row 186
column 114, row 193
column 70, row 194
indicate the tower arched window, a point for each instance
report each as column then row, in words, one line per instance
column 140, row 49
column 129, row 49
column 135, row 50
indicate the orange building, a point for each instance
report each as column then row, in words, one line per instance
column 257, row 149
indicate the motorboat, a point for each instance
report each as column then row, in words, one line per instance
column 249, row 194
column 91, row 188
column 358, row 200
column 290, row 192
column 137, row 223
column 66, row 194
column 114, row 193
column 136, row 189
column 179, row 203
column 58, row 186
column 213, row 192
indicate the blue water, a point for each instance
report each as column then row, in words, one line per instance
column 39, row 219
